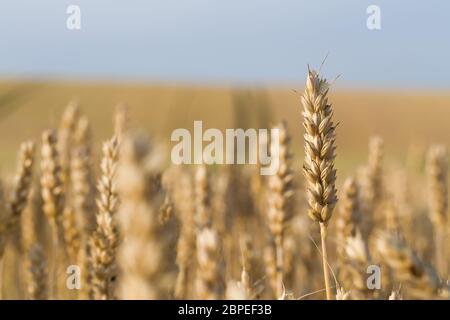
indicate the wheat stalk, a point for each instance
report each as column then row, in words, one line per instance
column 70, row 224
column 81, row 177
column 375, row 169
column 352, row 251
column 12, row 209
column 183, row 194
column 35, row 260
column 52, row 194
column 318, row 166
column 246, row 283
column 3, row 224
column 349, row 213
column 37, row 273
column 121, row 121
column 83, row 196
column 71, row 233
column 353, row 270
column 209, row 282
column 408, row 267
column 142, row 276
column 437, row 167
column 280, row 205
column 203, row 217
column 22, row 182
column 65, row 137
column 51, row 183
column 371, row 185
column 104, row 240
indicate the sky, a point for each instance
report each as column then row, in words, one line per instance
column 228, row 41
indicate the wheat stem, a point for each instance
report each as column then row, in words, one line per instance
column 326, row 273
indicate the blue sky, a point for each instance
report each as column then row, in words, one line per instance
column 233, row 41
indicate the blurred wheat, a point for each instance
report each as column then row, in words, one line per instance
column 152, row 230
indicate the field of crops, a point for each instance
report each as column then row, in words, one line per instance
column 91, row 206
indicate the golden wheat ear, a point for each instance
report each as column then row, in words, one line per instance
column 105, row 239
column 318, row 167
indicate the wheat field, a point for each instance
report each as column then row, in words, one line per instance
column 91, row 206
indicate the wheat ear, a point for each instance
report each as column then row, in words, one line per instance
column 65, row 137
column 22, row 182
column 35, row 260
column 81, row 177
column 348, row 214
column 37, row 269
column 83, row 196
column 209, row 283
column 104, row 240
column 10, row 215
column 318, row 166
column 52, row 194
column 67, row 127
